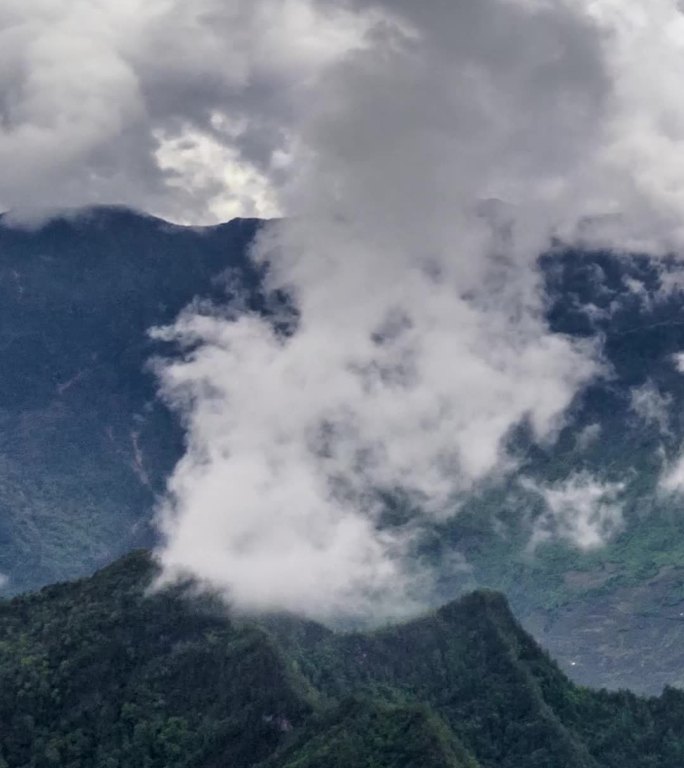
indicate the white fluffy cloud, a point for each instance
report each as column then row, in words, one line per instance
column 652, row 406
column 672, row 476
column 420, row 342
column 581, row 510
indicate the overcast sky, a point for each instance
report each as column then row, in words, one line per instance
column 425, row 153
column 184, row 109
column 191, row 108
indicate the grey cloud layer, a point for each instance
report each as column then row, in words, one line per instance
column 138, row 102
column 189, row 109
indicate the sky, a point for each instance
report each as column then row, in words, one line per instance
column 182, row 109
column 422, row 155
column 195, row 110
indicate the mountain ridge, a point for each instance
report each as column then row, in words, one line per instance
column 103, row 672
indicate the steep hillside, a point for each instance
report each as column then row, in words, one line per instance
column 84, row 443
column 98, row 673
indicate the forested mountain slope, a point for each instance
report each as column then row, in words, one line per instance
column 100, row 673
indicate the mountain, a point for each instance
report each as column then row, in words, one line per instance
column 100, row 672
column 86, row 446
column 614, row 614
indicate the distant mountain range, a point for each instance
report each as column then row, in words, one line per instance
column 100, row 673
column 86, row 446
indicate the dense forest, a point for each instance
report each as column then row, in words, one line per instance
column 107, row 673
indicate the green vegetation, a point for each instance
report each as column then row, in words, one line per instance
column 103, row 673
column 371, row 733
column 96, row 674
column 85, row 444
